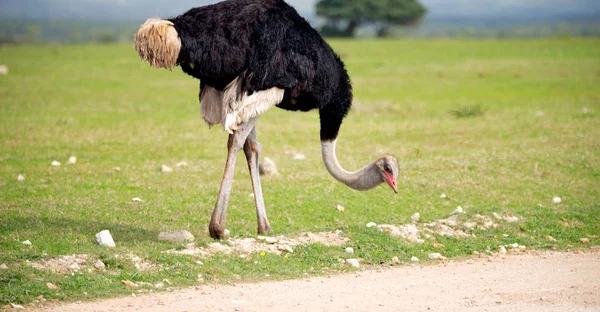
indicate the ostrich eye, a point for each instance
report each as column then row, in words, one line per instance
column 387, row 168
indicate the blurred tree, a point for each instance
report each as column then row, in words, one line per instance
column 346, row 16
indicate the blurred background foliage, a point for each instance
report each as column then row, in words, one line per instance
column 104, row 21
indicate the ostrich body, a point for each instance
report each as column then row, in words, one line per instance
column 249, row 56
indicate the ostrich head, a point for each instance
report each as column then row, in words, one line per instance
column 158, row 43
column 388, row 169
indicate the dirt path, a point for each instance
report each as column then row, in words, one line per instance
column 546, row 282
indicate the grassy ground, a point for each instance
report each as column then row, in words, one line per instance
column 499, row 126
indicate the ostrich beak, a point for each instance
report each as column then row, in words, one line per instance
column 392, row 182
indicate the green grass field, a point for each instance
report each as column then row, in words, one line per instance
column 498, row 126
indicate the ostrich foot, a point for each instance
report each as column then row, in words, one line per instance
column 264, row 229
column 216, row 231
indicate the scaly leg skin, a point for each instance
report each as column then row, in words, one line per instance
column 234, row 145
column 252, row 150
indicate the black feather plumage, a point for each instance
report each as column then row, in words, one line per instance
column 267, row 44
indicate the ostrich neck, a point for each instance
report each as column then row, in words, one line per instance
column 363, row 179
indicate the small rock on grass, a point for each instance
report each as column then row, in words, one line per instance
column 129, row 283
column 3, row 266
column 72, row 160
column 349, row 250
column 415, row 218
column 105, row 239
column 340, row 208
column 166, row 169
column 136, row 200
column 395, row 259
column 371, row 224
column 26, row 243
column 267, row 167
column 584, row 240
column 285, row 248
column 353, row 263
column 414, row 259
column 271, row 240
column 181, row 164
column 556, row 200
column 16, row 306
column 458, row 209
column 176, row 237
column 99, row 265
column 298, row 156
column 55, row 163
column 51, row 286
column 20, row 178
column 436, row 256
column 502, row 249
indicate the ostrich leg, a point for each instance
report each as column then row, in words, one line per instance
column 252, row 150
column 234, row 145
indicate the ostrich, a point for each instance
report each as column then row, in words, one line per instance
column 249, row 56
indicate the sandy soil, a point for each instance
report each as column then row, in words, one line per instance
column 543, row 282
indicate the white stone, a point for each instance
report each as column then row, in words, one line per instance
column 502, row 249
column 556, row 200
column 340, row 208
column 72, row 160
column 298, row 156
column 285, row 248
column 261, row 238
column 443, row 196
column 353, row 263
column 166, row 169
column 371, row 224
column 105, row 239
column 349, row 250
column 414, row 259
column 415, row 217
column 271, row 240
column 20, row 177
column 55, row 163
column 99, row 265
column 17, row 306
column 3, row 266
column 436, row 256
column 176, row 237
column 26, row 243
column 458, row 209
column 137, row 200
column 117, row 168
column 181, row 164
column 3, row 70
column 267, row 167
column 515, row 245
